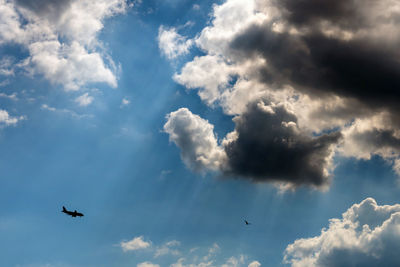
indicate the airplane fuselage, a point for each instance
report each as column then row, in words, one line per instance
column 72, row 213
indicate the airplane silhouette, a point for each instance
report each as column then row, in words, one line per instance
column 246, row 222
column 72, row 213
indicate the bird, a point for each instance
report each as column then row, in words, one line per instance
column 246, row 222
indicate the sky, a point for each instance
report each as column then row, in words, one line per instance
column 168, row 123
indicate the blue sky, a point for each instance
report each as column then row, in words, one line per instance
column 87, row 127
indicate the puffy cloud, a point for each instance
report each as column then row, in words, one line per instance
column 84, row 100
column 266, row 145
column 7, row 120
column 171, row 43
column 196, row 139
column 136, row 243
column 61, row 37
column 366, row 235
column 254, row 264
column 147, row 264
column 334, row 66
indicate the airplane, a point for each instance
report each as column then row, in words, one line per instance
column 72, row 213
column 246, row 222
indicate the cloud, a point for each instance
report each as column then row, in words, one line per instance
column 169, row 248
column 171, row 43
column 254, row 264
column 84, row 100
column 194, row 257
column 334, row 66
column 366, row 235
column 65, row 111
column 266, row 145
column 196, row 139
column 136, row 243
column 125, row 102
column 13, row 96
column 6, row 66
column 61, row 38
column 7, row 120
column 147, row 264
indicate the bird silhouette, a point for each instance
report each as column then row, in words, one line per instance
column 246, row 222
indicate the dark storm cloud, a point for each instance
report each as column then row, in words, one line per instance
column 305, row 12
column 270, row 147
column 319, row 65
column 363, row 68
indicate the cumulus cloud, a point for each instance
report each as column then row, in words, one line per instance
column 266, row 145
column 7, row 120
column 366, row 235
column 196, row 139
column 171, row 43
column 136, row 243
column 84, row 100
column 61, row 38
column 147, row 264
column 334, row 66
column 254, row 264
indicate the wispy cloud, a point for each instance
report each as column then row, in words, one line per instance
column 84, row 100
column 13, row 96
column 65, row 111
column 136, row 243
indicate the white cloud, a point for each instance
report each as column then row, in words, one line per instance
column 169, row 248
column 84, row 100
column 61, row 38
column 366, row 235
column 209, row 73
column 125, row 102
column 136, row 243
column 147, row 264
column 171, row 43
column 6, row 66
column 254, row 264
column 197, row 257
column 234, row 261
column 65, row 111
column 195, row 137
column 13, row 96
column 7, row 120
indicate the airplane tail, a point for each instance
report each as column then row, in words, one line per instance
column 64, row 209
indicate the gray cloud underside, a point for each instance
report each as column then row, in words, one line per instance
column 269, row 146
